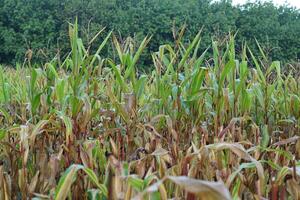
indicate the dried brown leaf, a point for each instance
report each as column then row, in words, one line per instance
column 205, row 189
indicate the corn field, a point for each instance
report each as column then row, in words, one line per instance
column 224, row 126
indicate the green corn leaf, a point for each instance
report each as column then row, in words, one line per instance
column 65, row 182
column 4, row 86
column 35, row 102
column 215, row 55
column 2, row 134
column 100, row 48
column 130, row 72
column 265, row 136
column 260, row 73
column 140, row 85
column 93, row 177
column 261, row 51
column 189, row 50
column 60, row 90
column 119, row 77
column 226, row 71
column 136, row 183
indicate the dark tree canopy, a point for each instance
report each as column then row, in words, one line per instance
column 41, row 25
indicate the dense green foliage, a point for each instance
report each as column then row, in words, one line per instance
column 40, row 25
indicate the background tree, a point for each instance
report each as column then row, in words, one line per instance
column 41, row 25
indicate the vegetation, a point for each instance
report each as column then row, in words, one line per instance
column 40, row 25
column 93, row 127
